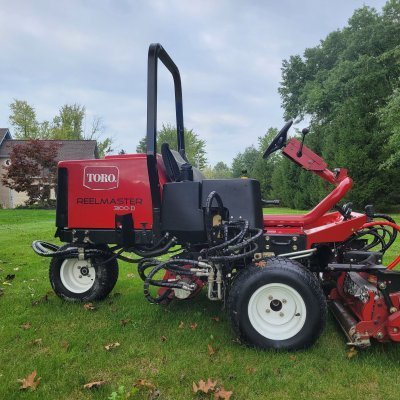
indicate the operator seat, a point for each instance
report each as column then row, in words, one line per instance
column 173, row 162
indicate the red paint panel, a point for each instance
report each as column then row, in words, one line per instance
column 100, row 189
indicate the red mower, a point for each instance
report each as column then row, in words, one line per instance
column 275, row 273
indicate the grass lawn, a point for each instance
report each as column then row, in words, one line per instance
column 64, row 342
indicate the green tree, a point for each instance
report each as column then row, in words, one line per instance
column 195, row 147
column 347, row 87
column 68, row 124
column 23, row 120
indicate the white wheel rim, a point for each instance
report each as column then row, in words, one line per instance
column 277, row 311
column 77, row 276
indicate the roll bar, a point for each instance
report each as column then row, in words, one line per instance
column 157, row 52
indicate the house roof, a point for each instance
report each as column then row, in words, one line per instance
column 4, row 134
column 68, row 150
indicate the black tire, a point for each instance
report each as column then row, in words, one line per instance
column 99, row 280
column 303, row 307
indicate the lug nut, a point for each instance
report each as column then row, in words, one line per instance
column 270, row 298
column 284, row 301
column 392, row 310
column 267, row 310
column 80, row 276
column 379, row 335
column 281, row 314
column 395, row 330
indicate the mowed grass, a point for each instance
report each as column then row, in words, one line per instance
column 152, row 345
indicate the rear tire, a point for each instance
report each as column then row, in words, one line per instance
column 82, row 280
column 279, row 306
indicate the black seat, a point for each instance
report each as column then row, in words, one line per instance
column 174, row 162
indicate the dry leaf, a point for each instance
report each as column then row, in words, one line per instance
column 111, row 346
column 89, row 306
column 211, row 351
column 222, row 394
column 130, row 276
column 144, row 383
column 7, row 283
column 26, row 326
column 124, row 322
column 193, row 326
column 163, row 338
column 181, row 325
column 352, row 352
column 29, row 382
column 216, row 319
column 293, row 357
column 43, row 299
column 92, row 385
column 205, row 387
column 64, row 344
column 251, row 370
column 36, row 342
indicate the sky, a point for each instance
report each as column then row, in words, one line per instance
column 94, row 53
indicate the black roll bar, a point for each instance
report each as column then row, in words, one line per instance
column 157, row 52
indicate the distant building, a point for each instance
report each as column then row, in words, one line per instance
column 68, row 150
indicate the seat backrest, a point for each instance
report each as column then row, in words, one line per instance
column 173, row 162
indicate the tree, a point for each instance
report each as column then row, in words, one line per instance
column 23, row 120
column 33, row 170
column 219, row 171
column 68, row 124
column 194, row 147
column 346, row 86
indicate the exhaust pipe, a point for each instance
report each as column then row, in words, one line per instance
column 348, row 324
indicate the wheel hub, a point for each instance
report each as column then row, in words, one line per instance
column 77, row 276
column 277, row 311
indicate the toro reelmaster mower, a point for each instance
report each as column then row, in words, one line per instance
column 275, row 273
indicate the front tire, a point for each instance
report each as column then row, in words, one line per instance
column 280, row 306
column 82, row 280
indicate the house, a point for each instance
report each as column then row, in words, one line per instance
column 68, row 150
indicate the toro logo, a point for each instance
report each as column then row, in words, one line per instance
column 101, row 178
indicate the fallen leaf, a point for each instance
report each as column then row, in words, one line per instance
column 193, row 326
column 130, row 276
column 144, row 383
column 293, row 357
column 216, row 319
column 237, row 340
column 163, row 338
column 352, row 352
column 111, row 346
column 16, row 269
column 36, row 342
column 92, row 385
column 211, row 350
column 64, row 344
column 10, row 277
column 205, row 387
column 117, row 294
column 26, row 326
column 7, row 283
column 43, row 299
column 29, row 382
column 124, row 322
column 181, row 325
column 222, row 394
column 89, row 306
column 154, row 395
column 251, row 370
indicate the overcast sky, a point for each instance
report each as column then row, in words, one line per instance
column 94, row 53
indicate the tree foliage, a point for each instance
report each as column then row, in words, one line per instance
column 348, row 86
column 23, row 120
column 68, row 124
column 33, row 170
column 195, row 148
